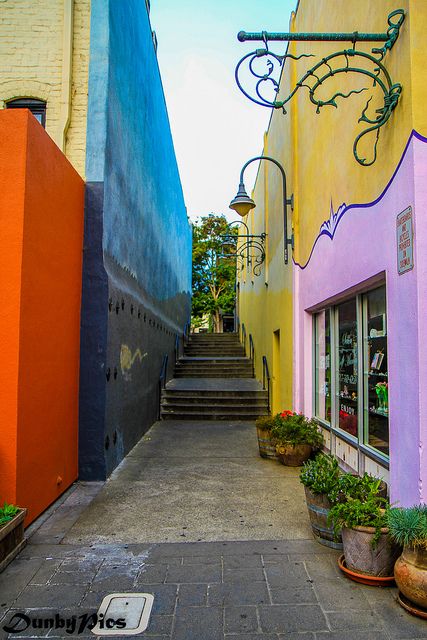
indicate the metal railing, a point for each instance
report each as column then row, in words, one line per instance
column 244, row 337
column 251, row 349
column 163, row 379
column 266, row 380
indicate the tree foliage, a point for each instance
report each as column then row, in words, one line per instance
column 214, row 275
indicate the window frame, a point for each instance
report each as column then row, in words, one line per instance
column 359, row 441
column 35, row 105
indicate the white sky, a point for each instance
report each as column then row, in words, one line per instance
column 215, row 128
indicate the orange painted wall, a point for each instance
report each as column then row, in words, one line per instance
column 41, row 238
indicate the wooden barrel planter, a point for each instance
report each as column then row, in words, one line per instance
column 293, row 455
column 12, row 539
column 267, row 447
column 318, row 509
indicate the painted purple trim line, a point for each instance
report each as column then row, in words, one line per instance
column 329, row 227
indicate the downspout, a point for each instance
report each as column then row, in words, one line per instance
column 66, row 74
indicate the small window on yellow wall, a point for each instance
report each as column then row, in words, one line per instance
column 37, row 107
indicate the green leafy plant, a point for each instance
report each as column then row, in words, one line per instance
column 295, row 428
column 408, row 526
column 7, row 512
column 321, row 474
column 265, row 422
column 349, row 486
column 369, row 512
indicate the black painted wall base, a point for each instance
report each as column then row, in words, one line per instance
column 125, row 336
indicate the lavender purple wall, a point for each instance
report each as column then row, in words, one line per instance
column 356, row 245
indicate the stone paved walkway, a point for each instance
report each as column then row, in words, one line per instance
column 287, row 588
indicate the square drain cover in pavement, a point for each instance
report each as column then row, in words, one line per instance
column 123, row 614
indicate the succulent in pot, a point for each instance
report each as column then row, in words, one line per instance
column 296, row 437
column 266, row 444
column 408, row 527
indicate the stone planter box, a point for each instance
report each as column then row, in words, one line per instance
column 12, row 539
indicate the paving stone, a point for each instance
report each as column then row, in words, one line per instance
column 73, row 577
column 294, row 594
column 340, row 593
column 240, row 619
column 355, row 635
column 251, row 636
column 51, row 596
column 159, row 625
column 192, row 595
column 202, row 560
column 81, row 564
column 322, row 567
column 194, row 573
column 291, row 618
column 116, row 577
column 168, row 560
column 237, row 594
column 399, row 624
column 284, row 574
column 242, row 562
column 244, row 575
column 354, row 619
column 198, row 623
column 152, row 574
column 46, row 571
column 15, row 578
column 299, row 636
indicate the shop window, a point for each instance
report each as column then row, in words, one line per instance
column 322, row 393
column 376, row 428
column 347, row 359
column 37, row 107
column 350, row 370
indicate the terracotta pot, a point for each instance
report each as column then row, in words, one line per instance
column 318, row 506
column 360, row 556
column 410, row 572
column 293, row 455
column 267, row 446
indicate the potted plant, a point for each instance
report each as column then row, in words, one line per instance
column 369, row 552
column 320, row 477
column 351, row 486
column 11, row 533
column 266, row 444
column 408, row 527
column 296, row 437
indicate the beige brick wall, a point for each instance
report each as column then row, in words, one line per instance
column 35, row 62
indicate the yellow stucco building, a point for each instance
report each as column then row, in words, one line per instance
column 343, row 321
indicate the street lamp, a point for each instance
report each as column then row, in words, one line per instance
column 242, row 203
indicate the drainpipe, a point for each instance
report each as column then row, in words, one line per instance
column 66, row 74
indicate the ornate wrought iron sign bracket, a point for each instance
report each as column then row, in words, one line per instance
column 352, row 60
column 248, row 249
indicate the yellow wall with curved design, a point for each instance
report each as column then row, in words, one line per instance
column 316, row 151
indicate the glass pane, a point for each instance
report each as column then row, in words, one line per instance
column 323, row 366
column 375, row 371
column 347, row 367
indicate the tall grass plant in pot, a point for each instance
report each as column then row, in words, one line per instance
column 408, row 527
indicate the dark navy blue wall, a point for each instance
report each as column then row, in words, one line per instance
column 130, row 317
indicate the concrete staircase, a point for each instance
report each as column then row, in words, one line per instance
column 214, row 380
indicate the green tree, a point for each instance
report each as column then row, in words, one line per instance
column 214, row 276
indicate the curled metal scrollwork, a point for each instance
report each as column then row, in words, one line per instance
column 247, row 249
column 367, row 65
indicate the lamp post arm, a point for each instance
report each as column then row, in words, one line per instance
column 286, row 201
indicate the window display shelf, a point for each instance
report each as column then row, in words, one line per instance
column 379, row 412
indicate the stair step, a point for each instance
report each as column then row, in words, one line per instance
column 208, row 416
column 215, row 394
column 213, row 408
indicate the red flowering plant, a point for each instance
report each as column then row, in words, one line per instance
column 295, row 428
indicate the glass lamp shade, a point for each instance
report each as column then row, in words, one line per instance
column 242, row 203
